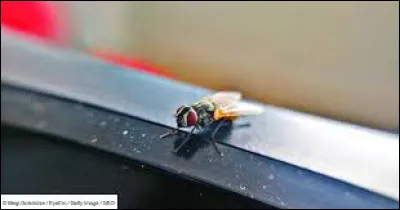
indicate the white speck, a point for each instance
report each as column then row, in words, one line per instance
column 94, row 139
column 103, row 123
column 131, row 137
column 281, row 202
column 264, row 187
column 125, row 132
column 142, row 166
column 242, row 187
column 41, row 124
column 229, row 184
column 137, row 151
column 143, row 135
column 79, row 106
column 38, row 107
column 251, row 196
column 201, row 194
column 271, row 177
column 210, row 160
column 237, row 175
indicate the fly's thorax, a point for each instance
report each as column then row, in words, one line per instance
column 205, row 111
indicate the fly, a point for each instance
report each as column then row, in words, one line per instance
column 217, row 108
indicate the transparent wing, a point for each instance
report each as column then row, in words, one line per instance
column 225, row 98
column 237, row 110
column 242, row 108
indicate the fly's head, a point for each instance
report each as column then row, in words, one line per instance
column 186, row 116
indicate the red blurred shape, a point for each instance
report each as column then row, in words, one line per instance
column 129, row 62
column 45, row 20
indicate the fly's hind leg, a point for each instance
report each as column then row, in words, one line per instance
column 213, row 141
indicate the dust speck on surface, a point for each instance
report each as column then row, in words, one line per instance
column 281, row 202
column 251, row 196
column 264, row 187
column 125, row 132
column 143, row 135
column 142, row 166
column 271, row 177
column 93, row 139
column 242, row 187
column 229, row 184
column 37, row 107
column 137, row 151
column 201, row 194
column 41, row 124
column 79, row 106
column 103, row 124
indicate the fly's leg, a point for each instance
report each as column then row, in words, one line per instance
column 246, row 124
column 186, row 140
column 213, row 141
column 171, row 132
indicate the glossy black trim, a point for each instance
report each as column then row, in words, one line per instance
column 335, row 149
column 261, row 178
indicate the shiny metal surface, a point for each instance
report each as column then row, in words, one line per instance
column 364, row 157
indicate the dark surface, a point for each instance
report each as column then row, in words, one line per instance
column 327, row 147
column 33, row 164
column 270, row 181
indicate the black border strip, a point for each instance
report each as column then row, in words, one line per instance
column 332, row 148
column 272, row 182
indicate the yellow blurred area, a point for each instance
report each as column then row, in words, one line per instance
column 336, row 59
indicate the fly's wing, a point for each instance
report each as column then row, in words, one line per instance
column 237, row 110
column 245, row 109
column 224, row 98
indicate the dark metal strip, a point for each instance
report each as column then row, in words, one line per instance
column 364, row 157
column 261, row 178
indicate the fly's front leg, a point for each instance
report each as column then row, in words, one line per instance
column 213, row 141
column 186, row 140
column 169, row 133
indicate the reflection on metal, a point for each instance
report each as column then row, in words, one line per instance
column 361, row 156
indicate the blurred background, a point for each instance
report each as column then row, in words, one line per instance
column 335, row 59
